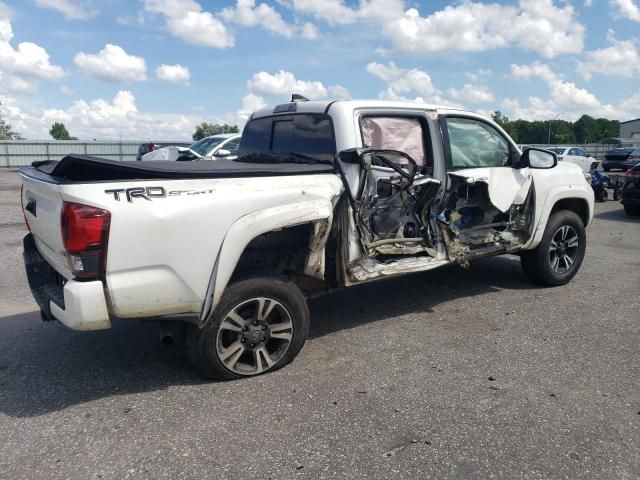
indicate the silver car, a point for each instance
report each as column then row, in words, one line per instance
column 209, row 148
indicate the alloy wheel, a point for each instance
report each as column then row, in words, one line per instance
column 254, row 336
column 563, row 249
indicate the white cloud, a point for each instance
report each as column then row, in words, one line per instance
column 247, row 14
column 339, row 92
column 71, row 9
column 176, row 74
column 537, row 25
column 565, row 98
column 472, row 94
column 337, row 12
column 6, row 13
column 402, row 81
column 112, row 64
column 186, row 20
column 15, row 84
column 626, row 8
column 539, row 70
column 250, row 103
column 102, row 119
column 309, row 31
column 21, row 67
column 621, row 59
column 331, row 11
column 284, row 83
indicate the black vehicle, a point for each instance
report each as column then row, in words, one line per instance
column 622, row 158
column 631, row 191
column 147, row 147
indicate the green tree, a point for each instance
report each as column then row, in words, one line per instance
column 59, row 132
column 206, row 129
column 505, row 123
column 6, row 131
column 585, row 129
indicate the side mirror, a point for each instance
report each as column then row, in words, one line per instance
column 222, row 153
column 538, row 158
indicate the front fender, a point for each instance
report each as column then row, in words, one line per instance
column 250, row 226
column 554, row 195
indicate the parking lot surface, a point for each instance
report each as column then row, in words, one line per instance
column 451, row 373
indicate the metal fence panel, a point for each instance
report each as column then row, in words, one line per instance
column 15, row 153
column 596, row 150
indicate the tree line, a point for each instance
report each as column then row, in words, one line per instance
column 584, row 130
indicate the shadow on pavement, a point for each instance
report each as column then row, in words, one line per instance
column 44, row 367
column 617, row 215
column 419, row 292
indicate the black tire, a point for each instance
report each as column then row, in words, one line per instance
column 284, row 302
column 632, row 210
column 537, row 263
column 602, row 195
column 617, row 194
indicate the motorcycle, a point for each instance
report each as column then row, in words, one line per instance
column 599, row 183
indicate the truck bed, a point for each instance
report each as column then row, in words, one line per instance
column 84, row 168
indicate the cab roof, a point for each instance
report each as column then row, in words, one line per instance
column 323, row 106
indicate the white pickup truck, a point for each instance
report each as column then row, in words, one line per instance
column 324, row 195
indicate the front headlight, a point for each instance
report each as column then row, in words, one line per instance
column 587, row 177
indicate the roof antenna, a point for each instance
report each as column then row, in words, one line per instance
column 298, row 98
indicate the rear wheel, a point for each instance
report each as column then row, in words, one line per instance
column 602, row 195
column 259, row 325
column 559, row 255
column 617, row 193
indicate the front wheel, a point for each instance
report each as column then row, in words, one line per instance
column 559, row 255
column 259, row 325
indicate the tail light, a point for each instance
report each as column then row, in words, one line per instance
column 85, row 235
column 632, row 172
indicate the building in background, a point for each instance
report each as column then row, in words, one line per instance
column 630, row 129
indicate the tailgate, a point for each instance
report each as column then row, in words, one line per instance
column 42, row 209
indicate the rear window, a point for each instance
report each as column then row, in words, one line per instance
column 305, row 134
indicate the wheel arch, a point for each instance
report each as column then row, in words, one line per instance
column 577, row 205
column 312, row 219
column 579, row 200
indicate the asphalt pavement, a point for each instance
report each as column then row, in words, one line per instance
column 451, row 373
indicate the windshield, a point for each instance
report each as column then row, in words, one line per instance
column 204, row 146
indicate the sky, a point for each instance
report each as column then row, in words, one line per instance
column 153, row 69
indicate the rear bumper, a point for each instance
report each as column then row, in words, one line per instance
column 622, row 163
column 78, row 305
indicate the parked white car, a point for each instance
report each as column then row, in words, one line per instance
column 215, row 146
column 324, row 195
column 574, row 155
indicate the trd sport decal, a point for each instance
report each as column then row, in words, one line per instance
column 149, row 193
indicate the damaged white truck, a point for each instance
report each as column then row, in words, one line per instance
column 323, row 195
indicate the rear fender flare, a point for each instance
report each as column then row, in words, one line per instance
column 250, row 226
